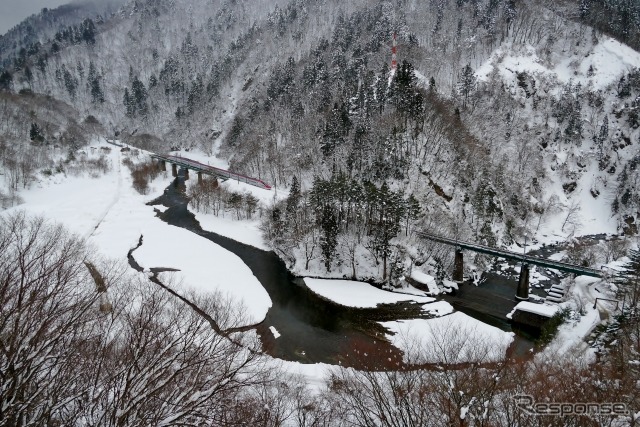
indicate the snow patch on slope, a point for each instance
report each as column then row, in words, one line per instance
column 608, row 60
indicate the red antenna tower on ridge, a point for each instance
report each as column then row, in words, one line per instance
column 394, row 51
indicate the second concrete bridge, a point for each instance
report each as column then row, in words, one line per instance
column 522, row 292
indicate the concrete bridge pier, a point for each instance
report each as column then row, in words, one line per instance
column 199, row 178
column 522, row 293
column 174, row 169
column 163, row 165
column 458, row 266
column 186, row 174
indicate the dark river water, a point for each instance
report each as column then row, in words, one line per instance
column 315, row 330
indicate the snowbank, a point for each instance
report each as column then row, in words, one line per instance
column 358, row 294
column 545, row 310
column 438, row 308
column 245, row 231
column 425, row 279
column 204, row 266
column 570, row 339
column 406, row 288
column 314, row 375
column 449, row 284
column 456, row 338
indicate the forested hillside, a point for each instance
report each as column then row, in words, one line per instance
column 504, row 120
column 26, row 39
column 506, row 123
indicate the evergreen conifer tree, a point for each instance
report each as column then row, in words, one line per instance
column 329, row 240
column 467, row 83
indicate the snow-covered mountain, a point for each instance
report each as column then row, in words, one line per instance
column 504, row 121
column 508, row 123
column 26, row 38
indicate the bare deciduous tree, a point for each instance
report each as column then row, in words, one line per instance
column 572, row 220
column 152, row 360
column 45, row 309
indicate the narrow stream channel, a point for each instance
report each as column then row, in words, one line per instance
column 312, row 329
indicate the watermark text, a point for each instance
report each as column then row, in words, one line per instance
column 527, row 404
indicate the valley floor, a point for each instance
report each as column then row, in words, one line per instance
column 112, row 216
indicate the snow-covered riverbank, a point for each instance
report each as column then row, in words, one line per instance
column 112, row 216
column 355, row 294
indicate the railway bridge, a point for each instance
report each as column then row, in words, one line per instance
column 201, row 168
column 522, row 292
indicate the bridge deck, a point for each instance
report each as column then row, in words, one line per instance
column 487, row 250
column 211, row 170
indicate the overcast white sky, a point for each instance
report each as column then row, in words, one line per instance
column 13, row 12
